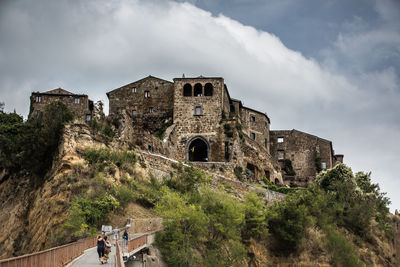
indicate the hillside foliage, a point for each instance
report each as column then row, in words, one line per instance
column 30, row 146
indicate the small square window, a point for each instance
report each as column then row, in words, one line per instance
column 134, row 112
column 252, row 118
column 88, row 117
column 198, row 110
column 323, row 165
column 280, row 139
column 253, row 136
column 133, row 89
column 77, row 100
column 38, row 99
column 151, row 109
column 147, row 94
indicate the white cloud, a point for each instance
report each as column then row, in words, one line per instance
column 95, row 46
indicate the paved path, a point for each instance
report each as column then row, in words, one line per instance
column 91, row 258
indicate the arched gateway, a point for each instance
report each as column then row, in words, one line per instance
column 198, row 149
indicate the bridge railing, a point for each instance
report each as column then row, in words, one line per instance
column 118, row 255
column 54, row 257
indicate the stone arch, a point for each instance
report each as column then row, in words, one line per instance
column 198, row 149
column 187, row 90
column 277, row 181
column 208, row 89
column 198, row 89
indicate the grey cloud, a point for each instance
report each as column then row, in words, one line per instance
column 95, row 46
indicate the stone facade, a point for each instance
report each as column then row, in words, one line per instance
column 305, row 151
column 80, row 104
column 198, row 121
column 147, row 102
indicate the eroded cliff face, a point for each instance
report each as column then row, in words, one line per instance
column 31, row 214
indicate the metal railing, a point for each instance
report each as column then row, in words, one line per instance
column 54, row 257
column 118, row 255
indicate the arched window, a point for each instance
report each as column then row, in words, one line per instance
column 277, row 181
column 187, row 90
column 198, row 89
column 208, row 89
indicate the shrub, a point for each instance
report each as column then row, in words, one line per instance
column 342, row 251
column 287, row 222
column 255, row 217
column 238, row 170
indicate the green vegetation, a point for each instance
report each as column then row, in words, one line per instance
column 30, row 146
column 161, row 132
column 228, row 130
column 119, row 158
column 284, row 190
column 101, row 126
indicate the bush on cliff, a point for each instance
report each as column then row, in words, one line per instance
column 31, row 145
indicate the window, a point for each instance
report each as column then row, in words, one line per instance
column 280, row 139
column 38, row 99
column 147, row 94
column 208, row 89
column 323, row 164
column 187, row 90
column 281, row 154
column 77, row 100
column 198, row 89
column 253, row 136
column 266, row 142
column 133, row 89
column 252, row 118
column 134, row 112
column 151, row 109
column 88, row 117
column 198, row 110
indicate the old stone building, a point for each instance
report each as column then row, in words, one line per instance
column 204, row 124
column 80, row 104
column 147, row 102
column 305, row 154
column 195, row 119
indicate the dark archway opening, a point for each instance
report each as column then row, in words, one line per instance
column 208, row 89
column 198, row 150
column 198, row 89
column 187, row 90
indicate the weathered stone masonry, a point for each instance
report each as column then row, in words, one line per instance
column 80, row 104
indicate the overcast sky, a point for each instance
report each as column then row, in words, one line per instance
column 329, row 68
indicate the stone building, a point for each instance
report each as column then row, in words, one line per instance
column 204, row 124
column 195, row 119
column 147, row 102
column 307, row 154
column 79, row 104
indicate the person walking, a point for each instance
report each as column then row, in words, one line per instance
column 125, row 237
column 107, row 249
column 116, row 231
column 101, row 244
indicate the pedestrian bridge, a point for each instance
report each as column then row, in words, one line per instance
column 83, row 253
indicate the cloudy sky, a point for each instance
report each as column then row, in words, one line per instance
column 329, row 68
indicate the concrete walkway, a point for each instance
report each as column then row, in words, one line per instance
column 91, row 258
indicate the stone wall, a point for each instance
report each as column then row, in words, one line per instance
column 205, row 124
column 302, row 149
column 256, row 125
column 148, row 102
column 80, row 105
